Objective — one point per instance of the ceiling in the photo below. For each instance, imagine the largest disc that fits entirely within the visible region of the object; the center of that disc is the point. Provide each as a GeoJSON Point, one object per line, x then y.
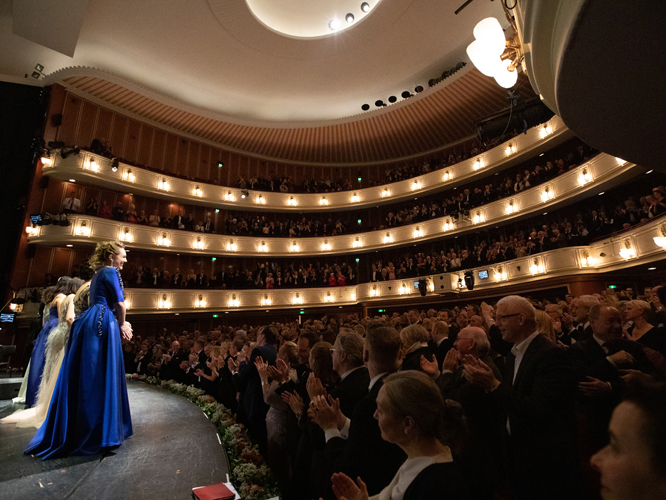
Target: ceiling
{"type": "Point", "coordinates": [212, 69]}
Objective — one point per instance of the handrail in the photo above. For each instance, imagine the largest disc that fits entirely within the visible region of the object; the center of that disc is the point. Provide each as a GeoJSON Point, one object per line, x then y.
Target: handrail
{"type": "Point", "coordinates": [602, 170]}
{"type": "Point", "coordinates": [97, 170]}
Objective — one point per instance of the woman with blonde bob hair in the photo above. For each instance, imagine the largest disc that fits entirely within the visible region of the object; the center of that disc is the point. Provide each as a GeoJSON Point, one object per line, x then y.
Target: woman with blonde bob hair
{"type": "Point", "coordinates": [89, 411]}
{"type": "Point", "coordinates": [413, 415]}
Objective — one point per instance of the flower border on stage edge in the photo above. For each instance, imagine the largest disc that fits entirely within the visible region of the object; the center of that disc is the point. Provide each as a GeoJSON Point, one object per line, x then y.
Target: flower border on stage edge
{"type": "Point", "coordinates": [248, 472]}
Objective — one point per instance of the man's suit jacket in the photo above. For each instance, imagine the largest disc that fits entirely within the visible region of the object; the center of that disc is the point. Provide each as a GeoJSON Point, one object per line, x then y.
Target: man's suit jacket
{"type": "Point", "coordinates": [178, 221]}
{"type": "Point", "coordinates": [255, 408]}
{"type": "Point", "coordinates": [412, 360]}
{"type": "Point", "coordinates": [365, 453]}
{"type": "Point", "coordinates": [209, 227]}
{"type": "Point", "coordinates": [579, 336]}
{"type": "Point", "coordinates": [590, 360]}
{"type": "Point", "coordinates": [539, 407]}
{"type": "Point", "coordinates": [176, 280]}
{"type": "Point", "coordinates": [442, 349]}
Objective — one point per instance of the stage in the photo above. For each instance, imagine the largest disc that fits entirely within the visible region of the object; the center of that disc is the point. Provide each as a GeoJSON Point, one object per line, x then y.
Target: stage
{"type": "Point", "coordinates": [174, 448]}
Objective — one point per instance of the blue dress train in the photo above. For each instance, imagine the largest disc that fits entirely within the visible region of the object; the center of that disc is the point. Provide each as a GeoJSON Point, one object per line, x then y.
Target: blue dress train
{"type": "Point", "coordinates": [89, 409]}
{"type": "Point", "coordinates": [38, 357]}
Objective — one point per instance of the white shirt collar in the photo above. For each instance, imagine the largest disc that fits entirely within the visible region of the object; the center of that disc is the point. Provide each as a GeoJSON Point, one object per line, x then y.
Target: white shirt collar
{"type": "Point", "coordinates": [411, 468]}
{"type": "Point", "coordinates": [519, 349]}
{"type": "Point", "coordinates": [375, 379]}
{"type": "Point", "coordinates": [345, 374]}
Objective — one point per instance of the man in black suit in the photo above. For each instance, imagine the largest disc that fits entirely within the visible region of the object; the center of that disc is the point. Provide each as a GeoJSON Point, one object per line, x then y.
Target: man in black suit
{"type": "Point", "coordinates": [198, 349]}
{"type": "Point", "coordinates": [480, 458]}
{"type": "Point", "coordinates": [179, 220]}
{"type": "Point", "coordinates": [209, 227]}
{"type": "Point", "coordinates": [583, 330]}
{"type": "Point", "coordinates": [255, 407]}
{"type": "Point", "coordinates": [176, 279]}
{"type": "Point", "coordinates": [535, 399]}
{"type": "Point", "coordinates": [364, 453]}
{"type": "Point", "coordinates": [441, 341]}
{"type": "Point", "coordinates": [201, 280]}
{"type": "Point", "coordinates": [597, 363]}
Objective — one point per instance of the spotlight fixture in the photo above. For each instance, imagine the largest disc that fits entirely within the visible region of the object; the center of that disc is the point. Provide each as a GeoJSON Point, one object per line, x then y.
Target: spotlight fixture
{"type": "Point", "coordinates": [334, 24]}
{"type": "Point", "coordinates": [67, 152]}
{"type": "Point", "coordinates": [291, 201]}
{"type": "Point", "coordinates": [114, 165]}
{"type": "Point", "coordinates": [406, 94]}
{"type": "Point", "coordinates": [229, 196]}
{"type": "Point", "coordinates": [365, 107]}
{"type": "Point", "coordinates": [447, 176]}
{"type": "Point", "coordinates": [479, 163]}
{"type": "Point", "coordinates": [365, 6]}
{"type": "Point", "coordinates": [355, 198]}
{"type": "Point", "coordinates": [245, 193]}
{"type": "Point", "coordinates": [392, 99]}
{"type": "Point", "coordinates": [418, 89]}
{"type": "Point", "coordinates": [379, 103]}
{"type": "Point", "coordinates": [349, 18]}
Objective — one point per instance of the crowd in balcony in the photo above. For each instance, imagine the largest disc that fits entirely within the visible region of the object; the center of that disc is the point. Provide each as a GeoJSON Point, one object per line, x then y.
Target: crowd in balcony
{"type": "Point", "coordinates": [573, 226]}
{"type": "Point", "coordinates": [342, 406]}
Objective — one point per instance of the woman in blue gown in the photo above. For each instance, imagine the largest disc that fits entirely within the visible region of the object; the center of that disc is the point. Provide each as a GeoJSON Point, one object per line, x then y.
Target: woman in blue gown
{"type": "Point", "coordinates": [89, 410]}
{"type": "Point", "coordinates": [52, 297]}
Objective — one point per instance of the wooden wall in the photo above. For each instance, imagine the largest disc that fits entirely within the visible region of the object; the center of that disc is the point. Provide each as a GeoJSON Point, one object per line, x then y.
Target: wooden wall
{"type": "Point", "coordinates": [145, 145]}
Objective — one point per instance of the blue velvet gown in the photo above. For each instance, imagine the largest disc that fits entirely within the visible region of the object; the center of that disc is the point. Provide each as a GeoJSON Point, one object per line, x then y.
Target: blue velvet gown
{"type": "Point", "coordinates": [38, 358]}
{"type": "Point", "coordinates": [89, 409]}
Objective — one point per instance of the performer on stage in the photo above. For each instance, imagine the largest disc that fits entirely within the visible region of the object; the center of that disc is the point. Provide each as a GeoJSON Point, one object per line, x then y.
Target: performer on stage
{"type": "Point", "coordinates": [52, 298]}
{"type": "Point", "coordinates": [55, 351]}
{"type": "Point", "coordinates": [90, 410]}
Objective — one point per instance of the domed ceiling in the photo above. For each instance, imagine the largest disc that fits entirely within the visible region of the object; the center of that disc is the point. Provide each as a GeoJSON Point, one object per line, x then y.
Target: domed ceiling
{"type": "Point", "coordinates": [206, 66]}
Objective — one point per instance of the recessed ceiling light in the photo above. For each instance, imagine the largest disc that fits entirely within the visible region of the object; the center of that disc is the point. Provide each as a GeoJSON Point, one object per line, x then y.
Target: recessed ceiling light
{"type": "Point", "coordinates": [70, 246]}
{"type": "Point", "coordinates": [542, 154]}
{"type": "Point", "coordinates": [652, 268]}
{"type": "Point", "coordinates": [349, 18]}
{"type": "Point", "coordinates": [602, 193]}
{"type": "Point", "coordinates": [176, 314]}
{"type": "Point", "coordinates": [72, 180]}
{"type": "Point", "coordinates": [226, 312]}
{"type": "Point", "coordinates": [334, 24]}
{"type": "Point", "coordinates": [648, 172]}
{"type": "Point", "coordinates": [365, 6]}
{"type": "Point", "coordinates": [545, 213]}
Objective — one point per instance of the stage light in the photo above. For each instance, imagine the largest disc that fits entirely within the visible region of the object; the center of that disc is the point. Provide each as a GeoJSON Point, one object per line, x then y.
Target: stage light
{"type": "Point", "coordinates": [628, 251]}
{"type": "Point", "coordinates": [163, 184]}
{"type": "Point", "coordinates": [260, 200]}
{"type": "Point", "coordinates": [349, 18]}
{"type": "Point", "coordinates": [164, 240]}
{"type": "Point", "coordinates": [334, 24]}
{"type": "Point", "coordinates": [365, 6]}
{"type": "Point", "coordinates": [418, 232]}
{"type": "Point", "coordinates": [388, 238]}
{"type": "Point", "coordinates": [198, 243]}
{"type": "Point", "coordinates": [323, 201]}
{"type": "Point", "coordinates": [545, 131]}
{"type": "Point", "coordinates": [231, 246]}
{"type": "Point", "coordinates": [479, 163]}
{"type": "Point", "coordinates": [294, 247]}
{"type": "Point", "coordinates": [386, 193]}
{"type": "Point", "coordinates": [197, 191]}
{"type": "Point", "coordinates": [291, 201]}
{"type": "Point", "coordinates": [229, 196]}
{"type": "Point", "coordinates": [416, 185]}
{"type": "Point", "coordinates": [447, 176]}
{"type": "Point", "coordinates": [200, 301]}
{"type": "Point", "coordinates": [326, 246]}
{"type": "Point", "coordinates": [510, 149]}
{"type": "Point", "coordinates": [357, 243]}
{"type": "Point", "coordinates": [355, 198]}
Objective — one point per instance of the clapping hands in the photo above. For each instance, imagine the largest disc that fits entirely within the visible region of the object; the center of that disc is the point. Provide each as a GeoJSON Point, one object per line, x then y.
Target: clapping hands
{"type": "Point", "coordinates": [262, 368]}
{"type": "Point", "coordinates": [345, 489]}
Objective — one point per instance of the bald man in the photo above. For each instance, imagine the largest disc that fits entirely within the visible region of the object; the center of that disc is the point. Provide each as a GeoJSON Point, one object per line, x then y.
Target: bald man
{"type": "Point", "coordinates": [535, 399]}
{"type": "Point", "coordinates": [483, 450]}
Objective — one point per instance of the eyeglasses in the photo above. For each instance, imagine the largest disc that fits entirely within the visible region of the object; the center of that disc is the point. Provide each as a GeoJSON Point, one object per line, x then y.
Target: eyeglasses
{"type": "Point", "coordinates": [502, 318]}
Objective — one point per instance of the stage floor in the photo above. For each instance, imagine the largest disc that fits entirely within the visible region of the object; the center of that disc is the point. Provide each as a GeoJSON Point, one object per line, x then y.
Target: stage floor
{"type": "Point", "coordinates": [174, 449]}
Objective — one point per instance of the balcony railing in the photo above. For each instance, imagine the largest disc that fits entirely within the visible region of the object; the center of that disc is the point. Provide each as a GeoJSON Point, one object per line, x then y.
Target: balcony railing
{"type": "Point", "coordinates": [636, 246]}
{"type": "Point", "coordinates": [97, 170]}
{"type": "Point", "coordinates": [601, 171]}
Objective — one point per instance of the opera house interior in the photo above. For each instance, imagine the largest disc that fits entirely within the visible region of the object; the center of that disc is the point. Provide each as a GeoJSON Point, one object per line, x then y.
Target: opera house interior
{"type": "Point", "coordinates": [428, 194]}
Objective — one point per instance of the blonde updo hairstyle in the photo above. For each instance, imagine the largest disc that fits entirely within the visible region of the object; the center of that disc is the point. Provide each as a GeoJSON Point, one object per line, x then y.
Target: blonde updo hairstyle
{"type": "Point", "coordinates": [102, 252]}
{"type": "Point", "coordinates": [414, 394]}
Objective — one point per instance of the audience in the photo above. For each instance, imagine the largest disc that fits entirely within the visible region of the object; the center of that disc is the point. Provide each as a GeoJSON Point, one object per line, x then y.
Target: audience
{"type": "Point", "coordinates": [535, 409]}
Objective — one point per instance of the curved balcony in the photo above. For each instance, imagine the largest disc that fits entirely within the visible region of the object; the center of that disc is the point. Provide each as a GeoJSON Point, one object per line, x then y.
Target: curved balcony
{"type": "Point", "coordinates": [600, 173]}
{"type": "Point", "coordinates": [637, 246]}
{"type": "Point", "coordinates": [97, 170]}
